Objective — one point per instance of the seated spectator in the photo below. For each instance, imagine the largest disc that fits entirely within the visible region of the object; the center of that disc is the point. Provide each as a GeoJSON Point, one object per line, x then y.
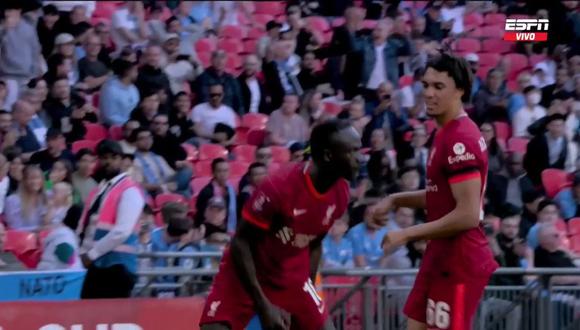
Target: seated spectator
{"type": "Point", "coordinates": [527, 115]}
{"type": "Point", "coordinates": [367, 239]}
{"type": "Point", "coordinates": [118, 95]}
{"type": "Point", "coordinates": [179, 69]}
{"type": "Point", "coordinates": [508, 248]}
{"type": "Point", "coordinates": [129, 27]}
{"type": "Point", "coordinates": [128, 166]}
{"type": "Point", "coordinates": [6, 130]}
{"type": "Point", "coordinates": [4, 181]}
{"type": "Point", "coordinates": [285, 126]}
{"type": "Point", "coordinates": [266, 41]}
{"type": "Point", "coordinates": [24, 210]}
{"type": "Point", "coordinates": [22, 136]}
{"type": "Point", "coordinates": [357, 115]}
{"type": "Point", "coordinates": [180, 121]}
{"type": "Point", "coordinates": [61, 245]}
{"type": "Point", "coordinates": [8, 261]}
{"type": "Point", "coordinates": [82, 181]}
{"type": "Point", "coordinates": [384, 115]}
{"type": "Point", "coordinates": [92, 71]}
{"type": "Point", "coordinates": [158, 176]}
{"type": "Point", "coordinates": [409, 179]}
{"type": "Point", "coordinates": [312, 108]}
{"type": "Point", "coordinates": [58, 104]}
{"type": "Point", "coordinates": [378, 141]}
{"type": "Point", "coordinates": [262, 155]}
{"type": "Point", "coordinates": [517, 100]}
{"type": "Point", "coordinates": [550, 150]}
{"type": "Point", "coordinates": [297, 152]}
{"type": "Point", "coordinates": [495, 148]}
{"type": "Point", "coordinates": [309, 76]}
{"type": "Point", "coordinates": [559, 90]}
{"type": "Point", "coordinates": [61, 171]}
{"type": "Point", "coordinates": [252, 87]}
{"type": "Point", "coordinates": [400, 258]}
{"type": "Point", "coordinates": [542, 75]}
{"type": "Point", "coordinates": [40, 121]}
{"type": "Point", "coordinates": [216, 75]}
{"type": "Point", "coordinates": [490, 103]}
{"type": "Point", "coordinates": [55, 150]}
{"type": "Point", "coordinates": [337, 250]}
{"type": "Point", "coordinates": [127, 143]}
{"type": "Point", "coordinates": [207, 115]}
{"type": "Point", "coordinates": [151, 75]}
{"type": "Point", "coordinates": [416, 151]}
{"type": "Point", "coordinates": [550, 254]}
{"type": "Point", "coordinates": [218, 187]}
{"type": "Point", "coordinates": [14, 157]}
{"type": "Point", "coordinates": [47, 29]}
{"type": "Point", "coordinates": [434, 27]}
{"type": "Point", "coordinates": [281, 73]}
{"type": "Point", "coordinates": [215, 216]}
{"type": "Point", "coordinates": [188, 33]}
{"type": "Point", "coordinates": [82, 112]}
{"type": "Point", "coordinates": [473, 61]}
{"type": "Point", "coordinates": [63, 61]}
{"type": "Point", "coordinates": [548, 213]}
{"type": "Point", "coordinates": [257, 172]}
{"type": "Point", "coordinates": [508, 186]}
{"type": "Point", "coordinates": [148, 108]}
{"type": "Point", "coordinates": [381, 175]}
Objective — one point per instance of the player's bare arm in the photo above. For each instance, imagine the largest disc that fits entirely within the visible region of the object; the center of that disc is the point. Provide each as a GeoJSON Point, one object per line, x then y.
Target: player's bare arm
{"type": "Point", "coordinates": [241, 248]}
{"type": "Point", "coordinates": [412, 199]}
{"type": "Point", "coordinates": [464, 216]}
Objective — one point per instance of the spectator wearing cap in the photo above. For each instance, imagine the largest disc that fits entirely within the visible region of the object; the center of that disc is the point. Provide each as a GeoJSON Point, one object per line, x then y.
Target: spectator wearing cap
{"type": "Point", "coordinates": [550, 150]}
{"type": "Point", "coordinates": [92, 71]}
{"type": "Point", "coordinates": [22, 136]}
{"type": "Point", "coordinates": [490, 103]}
{"type": "Point", "coordinates": [148, 108]}
{"type": "Point", "coordinates": [285, 126]}
{"type": "Point", "coordinates": [528, 114]}
{"type": "Point", "coordinates": [129, 27]}
{"type": "Point", "coordinates": [473, 61]}
{"type": "Point", "coordinates": [272, 35]}
{"type": "Point", "coordinates": [47, 29]}
{"type": "Point", "coordinates": [108, 235]}
{"type": "Point", "coordinates": [217, 232]}
{"type": "Point", "coordinates": [252, 86]}
{"type": "Point", "coordinates": [55, 150]}
{"type": "Point", "coordinates": [180, 69]}
{"type": "Point", "coordinates": [216, 74]}
{"type": "Point", "coordinates": [218, 187]}
{"type": "Point", "coordinates": [25, 208]}
{"type": "Point", "coordinates": [206, 116]}
{"type": "Point", "coordinates": [82, 181]}
{"type": "Point", "coordinates": [119, 96]}
{"type": "Point", "coordinates": [158, 176]}
{"type": "Point", "coordinates": [21, 52]}
{"type": "Point", "coordinates": [257, 172]}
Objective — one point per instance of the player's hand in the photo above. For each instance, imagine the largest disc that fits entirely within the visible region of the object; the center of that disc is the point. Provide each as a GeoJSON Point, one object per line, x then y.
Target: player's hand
{"type": "Point", "coordinates": [393, 240]}
{"type": "Point", "coordinates": [379, 211]}
{"type": "Point", "coordinates": [273, 317]}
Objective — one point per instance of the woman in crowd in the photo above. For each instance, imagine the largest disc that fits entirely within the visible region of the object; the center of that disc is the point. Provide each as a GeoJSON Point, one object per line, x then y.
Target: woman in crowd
{"type": "Point", "coordinates": [26, 208]}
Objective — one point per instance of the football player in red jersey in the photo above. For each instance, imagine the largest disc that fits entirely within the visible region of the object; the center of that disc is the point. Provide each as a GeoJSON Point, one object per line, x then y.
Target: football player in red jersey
{"type": "Point", "coordinates": [271, 264]}
{"type": "Point", "coordinates": [458, 261]}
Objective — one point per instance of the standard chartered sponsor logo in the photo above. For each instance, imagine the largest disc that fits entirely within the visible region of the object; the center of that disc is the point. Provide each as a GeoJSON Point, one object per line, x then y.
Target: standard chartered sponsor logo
{"type": "Point", "coordinates": [460, 158]}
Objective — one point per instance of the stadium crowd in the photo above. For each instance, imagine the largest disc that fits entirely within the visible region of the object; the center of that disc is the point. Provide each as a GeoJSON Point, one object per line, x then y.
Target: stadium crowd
{"type": "Point", "coordinates": [206, 98]}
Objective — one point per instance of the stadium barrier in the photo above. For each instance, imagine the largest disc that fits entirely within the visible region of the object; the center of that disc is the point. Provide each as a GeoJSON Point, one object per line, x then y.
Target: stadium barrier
{"type": "Point", "coordinates": [374, 298]}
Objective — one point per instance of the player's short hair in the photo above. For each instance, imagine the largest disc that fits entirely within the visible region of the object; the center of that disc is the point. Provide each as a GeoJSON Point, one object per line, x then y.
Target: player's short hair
{"type": "Point", "coordinates": [216, 162]}
{"type": "Point", "coordinates": [322, 134]}
{"type": "Point", "coordinates": [457, 68]}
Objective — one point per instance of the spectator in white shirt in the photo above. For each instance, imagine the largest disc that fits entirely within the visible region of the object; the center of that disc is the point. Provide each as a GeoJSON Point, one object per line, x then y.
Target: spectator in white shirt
{"type": "Point", "coordinates": [207, 115]}
{"type": "Point", "coordinates": [531, 112]}
{"type": "Point", "coordinates": [129, 25]}
{"type": "Point", "coordinates": [451, 12]}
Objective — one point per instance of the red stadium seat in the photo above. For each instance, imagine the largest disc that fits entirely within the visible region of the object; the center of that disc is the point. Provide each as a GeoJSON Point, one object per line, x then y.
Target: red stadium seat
{"type": "Point", "coordinates": [280, 154]}
{"type": "Point", "coordinates": [554, 180]}
{"type": "Point", "coordinates": [492, 31]}
{"type": "Point", "coordinates": [535, 59]}
{"type": "Point", "coordinates": [95, 132]}
{"type": "Point", "coordinates": [317, 23]}
{"type": "Point", "coordinates": [496, 46]}
{"type": "Point", "coordinates": [518, 145]}
{"type": "Point", "coordinates": [473, 31]}
{"type": "Point", "coordinates": [468, 45]}
{"type": "Point", "coordinates": [517, 62]}
{"type": "Point", "coordinates": [255, 120]}
{"type": "Point", "coordinates": [238, 168]}
{"type": "Point", "coordinates": [574, 226]}
{"type": "Point", "coordinates": [197, 184]}
{"type": "Point", "coordinates": [245, 153]}
{"type": "Point", "coordinates": [332, 109]}
{"type": "Point", "coordinates": [83, 144]}
{"type": "Point", "coordinates": [494, 19]}
{"type": "Point", "coordinates": [19, 242]}
{"type": "Point", "coordinates": [212, 151]}
{"type": "Point", "coordinates": [205, 45]}
{"type": "Point", "coordinates": [230, 46]}
{"type": "Point", "coordinates": [273, 168]}
{"type": "Point", "coordinates": [473, 19]}
{"type": "Point", "coordinates": [165, 198]}
{"type": "Point", "coordinates": [489, 59]}
{"type": "Point", "coordinates": [260, 20]}
{"type": "Point", "coordinates": [512, 85]}
{"type": "Point", "coordinates": [191, 151]}
{"type": "Point", "coordinates": [232, 32]}
{"type": "Point", "coordinates": [204, 58]}
{"type": "Point", "coordinates": [241, 136]}
{"type": "Point", "coordinates": [104, 9]}
{"type": "Point", "coordinates": [502, 130]}
{"type": "Point", "coordinates": [203, 168]}
{"type": "Point", "coordinates": [273, 8]}
{"type": "Point", "coordinates": [575, 243]}
{"type": "Point", "coordinates": [250, 46]}
{"type": "Point", "coordinates": [116, 132]}
{"type": "Point", "coordinates": [482, 71]}
{"type": "Point", "coordinates": [233, 64]}
{"type": "Point", "coordinates": [257, 136]}
{"type": "Point", "coordinates": [256, 33]}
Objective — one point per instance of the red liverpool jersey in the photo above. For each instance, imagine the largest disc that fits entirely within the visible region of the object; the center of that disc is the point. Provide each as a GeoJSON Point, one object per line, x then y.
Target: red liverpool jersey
{"type": "Point", "coordinates": [293, 213]}
{"type": "Point", "coordinates": [458, 153]}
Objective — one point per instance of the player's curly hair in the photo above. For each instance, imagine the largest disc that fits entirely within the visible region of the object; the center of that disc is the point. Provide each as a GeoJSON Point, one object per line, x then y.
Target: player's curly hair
{"type": "Point", "coordinates": [322, 134]}
{"type": "Point", "coordinates": [457, 68]}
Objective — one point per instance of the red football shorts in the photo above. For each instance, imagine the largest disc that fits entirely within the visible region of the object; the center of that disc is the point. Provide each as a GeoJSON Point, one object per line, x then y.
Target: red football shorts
{"type": "Point", "coordinates": [443, 302]}
{"type": "Point", "coordinates": [229, 303]}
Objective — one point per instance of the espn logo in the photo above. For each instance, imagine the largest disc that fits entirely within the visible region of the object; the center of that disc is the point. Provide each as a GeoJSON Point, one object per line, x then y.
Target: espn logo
{"type": "Point", "coordinates": [520, 29]}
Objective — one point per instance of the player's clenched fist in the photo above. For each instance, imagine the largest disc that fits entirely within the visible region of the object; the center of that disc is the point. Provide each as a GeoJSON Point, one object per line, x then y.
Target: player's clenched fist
{"type": "Point", "coordinates": [380, 211]}
{"type": "Point", "coordinates": [393, 240]}
{"type": "Point", "coordinates": [273, 317]}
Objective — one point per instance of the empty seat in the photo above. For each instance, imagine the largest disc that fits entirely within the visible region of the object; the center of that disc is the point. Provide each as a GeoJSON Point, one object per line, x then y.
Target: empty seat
{"type": "Point", "coordinates": [502, 130]}
{"type": "Point", "coordinates": [257, 136]}
{"type": "Point", "coordinates": [317, 23]}
{"type": "Point", "coordinates": [473, 19]}
{"type": "Point", "coordinates": [205, 45]}
{"type": "Point", "coordinates": [197, 184]}
{"type": "Point", "coordinates": [116, 132]}
{"type": "Point", "coordinates": [468, 45]}
{"type": "Point", "coordinates": [255, 33]}
{"type": "Point", "coordinates": [489, 59]}
{"type": "Point", "coordinates": [517, 62]}
{"type": "Point", "coordinates": [273, 8]}
{"type": "Point", "coordinates": [492, 31]}
{"type": "Point", "coordinates": [232, 32]}
{"type": "Point", "coordinates": [191, 151]}
{"type": "Point", "coordinates": [203, 168]}
{"type": "Point", "coordinates": [238, 168]}
{"type": "Point", "coordinates": [494, 19]}
{"type": "Point", "coordinates": [255, 120]}
{"type": "Point", "coordinates": [212, 151]}
{"type": "Point", "coordinates": [332, 109]}
{"type": "Point", "coordinates": [245, 153]}
{"type": "Point", "coordinates": [280, 154]}
{"type": "Point", "coordinates": [496, 46]}
{"type": "Point", "coordinates": [574, 226]}
{"type": "Point", "coordinates": [554, 180]}
{"type": "Point", "coordinates": [518, 145]}
{"type": "Point", "coordinates": [19, 241]}
{"type": "Point", "coordinates": [241, 136]}
{"type": "Point", "coordinates": [95, 132]}
{"type": "Point", "coordinates": [231, 46]}
{"type": "Point", "coordinates": [83, 144]}
{"type": "Point", "coordinates": [165, 198]}
{"type": "Point", "coordinates": [262, 19]}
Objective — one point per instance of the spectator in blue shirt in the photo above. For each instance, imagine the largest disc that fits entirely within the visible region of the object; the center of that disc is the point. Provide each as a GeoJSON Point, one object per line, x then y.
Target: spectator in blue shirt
{"type": "Point", "coordinates": [366, 239]}
{"type": "Point", "coordinates": [337, 250]}
{"type": "Point", "coordinates": [119, 96]}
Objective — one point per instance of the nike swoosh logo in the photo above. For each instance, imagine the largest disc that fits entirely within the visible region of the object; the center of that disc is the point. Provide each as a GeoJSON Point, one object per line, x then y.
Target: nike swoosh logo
{"type": "Point", "coordinates": [298, 212]}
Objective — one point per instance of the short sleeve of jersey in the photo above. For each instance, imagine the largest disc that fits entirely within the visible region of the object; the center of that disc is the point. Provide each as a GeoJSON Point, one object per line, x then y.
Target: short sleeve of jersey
{"type": "Point", "coordinates": [262, 205]}
{"type": "Point", "coordinates": [463, 157]}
